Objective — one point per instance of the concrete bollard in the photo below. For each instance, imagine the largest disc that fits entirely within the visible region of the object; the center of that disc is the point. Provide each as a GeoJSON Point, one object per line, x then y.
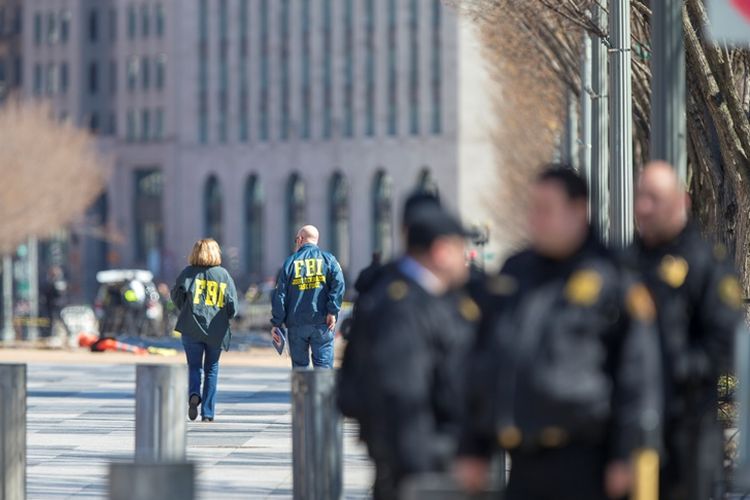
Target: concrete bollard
{"type": "Point", "coordinates": [441, 487]}
{"type": "Point", "coordinates": [317, 436]}
{"type": "Point", "coordinates": [12, 432]}
{"type": "Point", "coordinates": [148, 481]}
{"type": "Point", "coordinates": [160, 413]}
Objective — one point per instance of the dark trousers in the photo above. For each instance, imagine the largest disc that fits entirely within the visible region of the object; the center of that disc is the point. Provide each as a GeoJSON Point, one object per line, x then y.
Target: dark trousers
{"type": "Point", "coordinates": [692, 469]}
{"type": "Point", "coordinates": [575, 472]}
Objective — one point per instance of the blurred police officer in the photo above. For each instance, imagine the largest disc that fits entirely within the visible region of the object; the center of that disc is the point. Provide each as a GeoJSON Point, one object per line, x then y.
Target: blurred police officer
{"type": "Point", "coordinates": [415, 333]}
{"type": "Point", "coordinates": [565, 379]}
{"type": "Point", "coordinates": [307, 300]}
{"type": "Point", "coordinates": [698, 303]}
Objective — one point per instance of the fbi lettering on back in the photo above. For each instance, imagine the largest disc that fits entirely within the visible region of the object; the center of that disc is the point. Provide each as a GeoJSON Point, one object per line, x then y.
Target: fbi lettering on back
{"type": "Point", "coordinates": [308, 274]}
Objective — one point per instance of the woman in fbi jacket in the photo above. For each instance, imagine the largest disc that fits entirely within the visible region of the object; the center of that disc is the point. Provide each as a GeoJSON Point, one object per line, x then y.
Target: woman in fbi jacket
{"type": "Point", "coordinates": [206, 297]}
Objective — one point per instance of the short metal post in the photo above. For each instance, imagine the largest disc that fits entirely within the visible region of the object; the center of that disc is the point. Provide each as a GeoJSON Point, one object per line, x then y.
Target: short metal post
{"type": "Point", "coordinates": [160, 413]}
{"type": "Point", "coordinates": [12, 432]}
{"type": "Point", "coordinates": [146, 481]}
{"type": "Point", "coordinates": [317, 437]}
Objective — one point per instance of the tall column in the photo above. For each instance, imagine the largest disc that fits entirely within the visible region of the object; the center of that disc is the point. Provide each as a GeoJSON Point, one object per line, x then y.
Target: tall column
{"type": "Point", "coordinates": [9, 334]}
{"type": "Point", "coordinates": [32, 330]}
{"type": "Point", "coordinates": [584, 153]}
{"type": "Point", "coordinates": [668, 122]}
{"type": "Point", "coordinates": [621, 231]}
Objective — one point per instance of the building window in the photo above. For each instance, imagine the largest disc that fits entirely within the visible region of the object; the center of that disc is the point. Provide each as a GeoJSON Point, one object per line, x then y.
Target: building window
{"type": "Point", "coordinates": [145, 125]}
{"type": "Point", "coordinates": [296, 201]}
{"type": "Point", "coordinates": [145, 73]}
{"type": "Point", "coordinates": [158, 124]}
{"type": "Point", "coordinates": [132, 21]}
{"type": "Point", "coordinates": [18, 70]}
{"type": "Point", "coordinates": [51, 79]}
{"type": "Point", "coordinates": [254, 228]}
{"type": "Point", "coordinates": [285, 120]}
{"type": "Point", "coordinates": [145, 21]}
{"type": "Point", "coordinates": [113, 77]}
{"type": "Point", "coordinates": [382, 215]}
{"type": "Point", "coordinates": [93, 25]}
{"type": "Point", "coordinates": [203, 73]}
{"type": "Point", "coordinates": [112, 127]}
{"type": "Point", "coordinates": [2, 76]}
{"type": "Point", "coordinates": [159, 14]}
{"type": "Point", "coordinates": [349, 68]}
{"type": "Point", "coordinates": [414, 67]}
{"type": "Point", "coordinates": [93, 78]}
{"type": "Point", "coordinates": [2, 20]}
{"type": "Point", "coordinates": [94, 122]}
{"type": "Point", "coordinates": [131, 126]}
{"type": "Point", "coordinates": [148, 219]}
{"type": "Point", "coordinates": [38, 80]}
{"type": "Point", "coordinates": [327, 70]}
{"type": "Point", "coordinates": [436, 70]}
{"type": "Point", "coordinates": [133, 69]}
{"type": "Point", "coordinates": [223, 69]}
{"type": "Point", "coordinates": [52, 34]}
{"type": "Point", "coordinates": [112, 25]}
{"type": "Point", "coordinates": [370, 68]}
{"type": "Point", "coordinates": [64, 78]}
{"type": "Point", "coordinates": [392, 68]}
{"type": "Point", "coordinates": [65, 18]}
{"type": "Point", "coordinates": [18, 21]}
{"type": "Point", "coordinates": [306, 80]}
{"type": "Point", "coordinates": [160, 65]}
{"type": "Point", "coordinates": [263, 117]}
{"type": "Point", "coordinates": [37, 28]}
{"type": "Point", "coordinates": [244, 105]}
{"type": "Point", "coordinates": [338, 212]}
{"type": "Point", "coordinates": [212, 220]}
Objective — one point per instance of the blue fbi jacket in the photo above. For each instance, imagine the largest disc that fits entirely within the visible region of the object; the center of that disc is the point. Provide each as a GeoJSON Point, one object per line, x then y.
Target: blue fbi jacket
{"type": "Point", "coordinates": [309, 287]}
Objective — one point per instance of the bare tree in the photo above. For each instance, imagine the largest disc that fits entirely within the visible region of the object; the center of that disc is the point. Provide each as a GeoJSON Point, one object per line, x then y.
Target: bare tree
{"type": "Point", "coordinates": [523, 35]}
{"type": "Point", "coordinates": [50, 173]}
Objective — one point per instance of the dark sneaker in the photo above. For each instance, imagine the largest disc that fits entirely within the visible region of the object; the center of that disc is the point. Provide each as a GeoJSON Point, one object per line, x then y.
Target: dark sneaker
{"type": "Point", "coordinates": [208, 419]}
{"type": "Point", "coordinates": [195, 400]}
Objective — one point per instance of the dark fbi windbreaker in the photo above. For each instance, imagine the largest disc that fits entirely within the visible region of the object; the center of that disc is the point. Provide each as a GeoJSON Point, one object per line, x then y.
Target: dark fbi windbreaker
{"type": "Point", "coordinates": [207, 299]}
{"type": "Point", "coordinates": [570, 356]}
{"type": "Point", "coordinates": [402, 376]}
{"type": "Point", "coordinates": [309, 287]}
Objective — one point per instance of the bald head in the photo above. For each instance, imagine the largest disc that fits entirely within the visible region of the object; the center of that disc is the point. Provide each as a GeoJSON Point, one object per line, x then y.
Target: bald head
{"type": "Point", "coordinates": [661, 204]}
{"type": "Point", "coordinates": [307, 234]}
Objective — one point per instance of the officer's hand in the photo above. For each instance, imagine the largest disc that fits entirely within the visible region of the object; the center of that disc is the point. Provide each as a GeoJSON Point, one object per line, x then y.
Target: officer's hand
{"type": "Point", "coordinates": [331, 322]}
{"type": "Point", "coordinates": [276, 337]}
{"type": "Point", "coordinates": [472, 473]}
{"type": "Point", "coordinates": [618, 479]}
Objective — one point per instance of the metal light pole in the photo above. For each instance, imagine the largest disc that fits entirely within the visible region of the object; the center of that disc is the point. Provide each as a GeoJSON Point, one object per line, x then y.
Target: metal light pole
{"type": "Point", "coordinates": [668, 122]}
{"type": "Point", "coordinates": [584, 153]}
{"type": "Point", "coordinates": [600, 127]}
{"type": "Point", "coordinates": [621, 231]}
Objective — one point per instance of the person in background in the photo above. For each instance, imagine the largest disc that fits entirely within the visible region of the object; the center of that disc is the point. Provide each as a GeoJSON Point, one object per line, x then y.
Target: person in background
{"type": "Point", "coordinates": [567, 376]}
{"type": "Point", "coordinates": [54, 297]}
{"type": "Point", "coordinates": [206, 296]}
{"type": "Point", "coordinates": [699, 307]}
{"type": "Point", "coordinates": [307, 300]}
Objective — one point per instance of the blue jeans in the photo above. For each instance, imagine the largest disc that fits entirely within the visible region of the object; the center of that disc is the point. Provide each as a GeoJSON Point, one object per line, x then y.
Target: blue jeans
{"type": "Point", "coordinates": [202, 358]}
{"type": "Point", "coordinates": [315, 339]}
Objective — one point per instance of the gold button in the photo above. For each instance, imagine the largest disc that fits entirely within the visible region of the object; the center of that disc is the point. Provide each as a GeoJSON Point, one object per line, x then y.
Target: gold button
{"type": "Point", "coordinates": [553, 437]}
{"type": "Point", "coordinates": [509, 437]}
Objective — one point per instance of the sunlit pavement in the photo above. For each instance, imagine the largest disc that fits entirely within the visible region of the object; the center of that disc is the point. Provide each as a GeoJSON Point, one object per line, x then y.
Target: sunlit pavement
{"type": "Point", "coordinates": [81, 417]}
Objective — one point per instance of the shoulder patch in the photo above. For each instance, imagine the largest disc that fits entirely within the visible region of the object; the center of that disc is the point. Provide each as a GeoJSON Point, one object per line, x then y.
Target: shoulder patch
{"type": "Point", "coordinates": [639, 303]}
{"type": "Point", "coordinates": [730, 292]}
{"type": "Point", "coordinates": [673, 270]}
{"type": "Point", "coordinates": [398, 290]}
{"type": "Point", "coordinates": [502, 285]}
{"type": "Point", "coordinates": [469, 309]}
{"type": "Point", "coordinates": [583, 287]}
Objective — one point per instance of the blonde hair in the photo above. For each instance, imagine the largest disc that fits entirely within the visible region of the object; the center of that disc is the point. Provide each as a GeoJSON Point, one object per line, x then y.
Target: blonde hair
{"type": "Point", "coordinates": [206, 253]}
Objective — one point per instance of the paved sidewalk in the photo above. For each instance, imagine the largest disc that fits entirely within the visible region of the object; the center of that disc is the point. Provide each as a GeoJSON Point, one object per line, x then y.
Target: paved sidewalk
{"type": "Point", "coordinates": [81, 417]}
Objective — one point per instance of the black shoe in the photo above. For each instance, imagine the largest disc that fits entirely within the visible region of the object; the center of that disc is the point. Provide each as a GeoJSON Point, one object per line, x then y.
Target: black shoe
{"type": "Point", "coordinates": [208, 419]}
{"type": "Point", "coordinates": [195, 400]}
